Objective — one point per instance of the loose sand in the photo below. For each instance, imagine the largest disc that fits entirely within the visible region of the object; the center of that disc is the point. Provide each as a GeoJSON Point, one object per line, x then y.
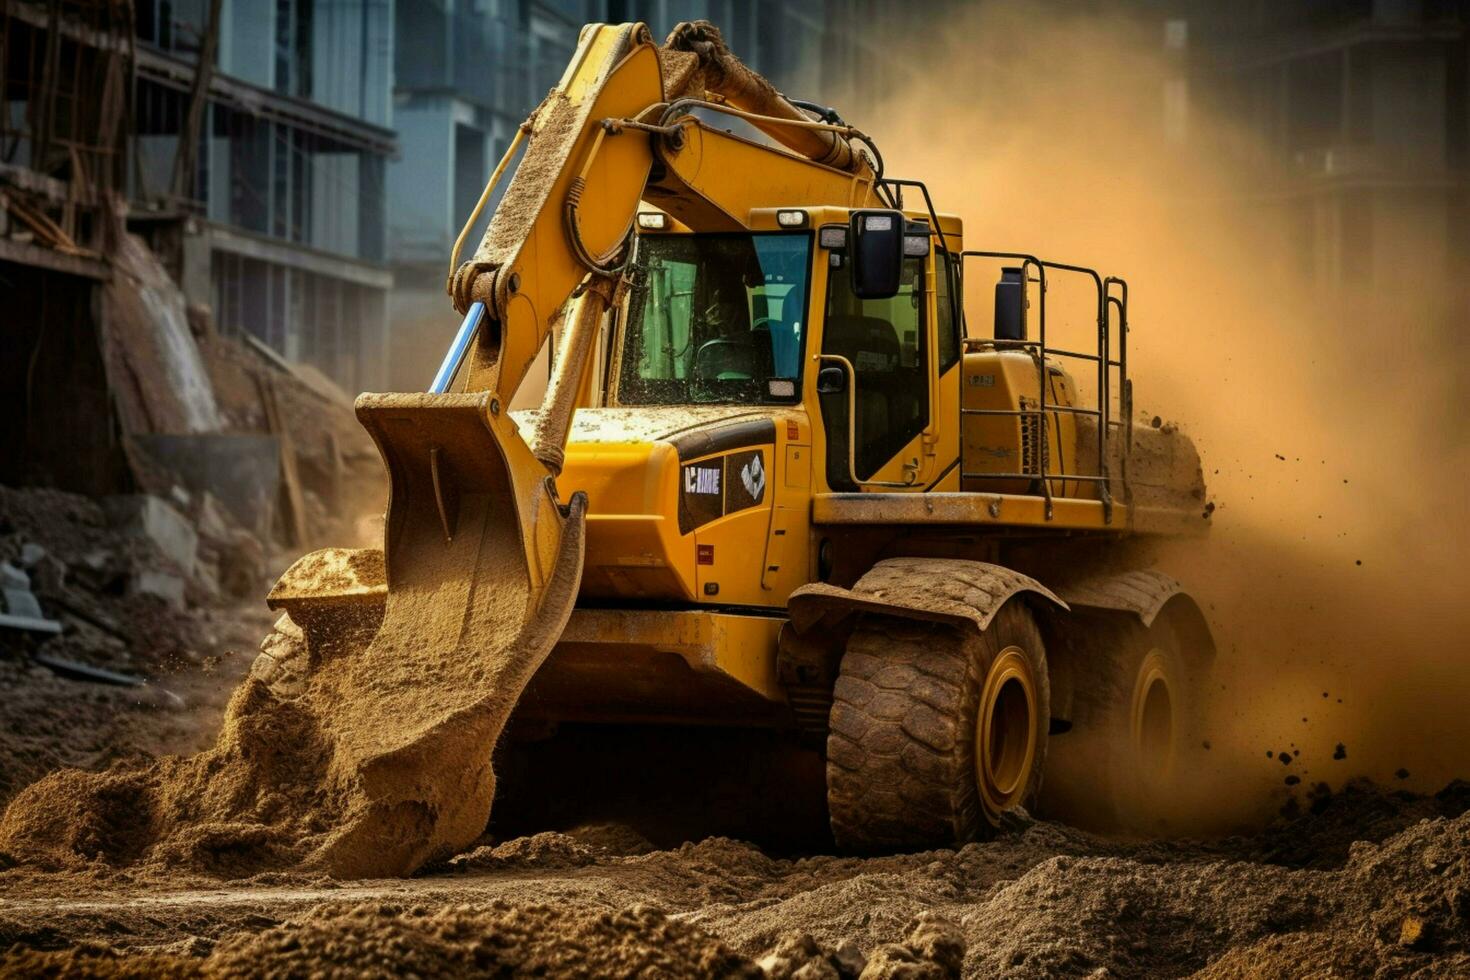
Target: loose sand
{"type": "Point", "coordinates": [1371, 882]}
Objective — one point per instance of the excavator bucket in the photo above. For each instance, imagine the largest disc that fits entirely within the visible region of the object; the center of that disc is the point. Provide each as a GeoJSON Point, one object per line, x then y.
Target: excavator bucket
{"type": "Point", "coordinates": [483, 561]}
{"type": "Point", "coordinates": [483, 567]}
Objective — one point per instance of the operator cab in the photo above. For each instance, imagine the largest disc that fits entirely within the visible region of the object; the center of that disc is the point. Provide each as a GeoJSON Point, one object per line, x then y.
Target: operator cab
{"type": "Point", "coordinates": [809, 309]}
{"type": "Point", "coordinates": [714, 319]}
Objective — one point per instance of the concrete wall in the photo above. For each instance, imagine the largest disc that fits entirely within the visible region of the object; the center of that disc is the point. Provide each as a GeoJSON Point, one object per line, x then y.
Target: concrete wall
{"type": "Point", "coordinates": [352, 57]}
{"type": "Point", "coordinates": [335, 202]}
{"type": "Point", "coordinates": [247, 41]}
{"type": "Point", "coordinates": [421, 218]}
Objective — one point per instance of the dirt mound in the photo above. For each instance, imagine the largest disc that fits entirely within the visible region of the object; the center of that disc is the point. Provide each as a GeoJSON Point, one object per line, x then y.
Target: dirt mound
{"type": "Point", "coordinates": [251, 803]}
{"type": "Point", "coordinates": [390, 941]}
{"type": "Point", "coordinates": [545, 851]}
{"type": "Point", "coordinates": [128, 676]}
{"type": "Point", "coordinates": [93, 960]}
{"type": "Point", "coordinates": [1372, 877]}
{"type": "Point", "coordinates": [612, 838]}
{"type": "Point", "coordinates": [933, 950]}
{"type": "Point", "coordinates": [1398, 906]}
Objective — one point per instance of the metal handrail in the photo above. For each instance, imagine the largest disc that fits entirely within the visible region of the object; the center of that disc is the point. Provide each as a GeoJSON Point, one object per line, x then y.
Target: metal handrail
{"type": "Point", "coordinates": [1125, 384]}
{"type": "Point", "coordinates": [1108, 303]}
{"type": "Point", "coordinates": [1078, 477]}
{"type": "Point", "coordinates": [1030, 412]}
{"type": "Point", "coordinates": [852, 426]}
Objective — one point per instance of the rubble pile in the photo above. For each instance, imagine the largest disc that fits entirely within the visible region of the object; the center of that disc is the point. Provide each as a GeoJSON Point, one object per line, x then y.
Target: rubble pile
{"type": "Point", "coordinates": [115, 615]}
{"type": "Point", "coordinates": [332, 489]}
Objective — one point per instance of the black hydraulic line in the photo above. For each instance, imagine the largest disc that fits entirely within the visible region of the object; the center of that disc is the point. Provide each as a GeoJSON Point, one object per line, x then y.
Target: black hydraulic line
{"type": "Point", "coordinates": [823, 112]}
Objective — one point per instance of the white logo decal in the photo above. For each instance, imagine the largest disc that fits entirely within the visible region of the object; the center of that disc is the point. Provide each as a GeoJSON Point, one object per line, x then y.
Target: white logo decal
{"type": "Point", "coordinates": [701, 479]}
{"type": "Point", "coordinates": [753, 475]}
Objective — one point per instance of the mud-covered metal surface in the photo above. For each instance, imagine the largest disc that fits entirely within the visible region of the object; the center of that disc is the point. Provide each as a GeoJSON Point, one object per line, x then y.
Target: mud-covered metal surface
{"type": "Point", "coordinates": [644, 424]}
{"type": "Point", "coordinates": [1142, 592]}
{"type": "Point", "coordinates": [942, 589]}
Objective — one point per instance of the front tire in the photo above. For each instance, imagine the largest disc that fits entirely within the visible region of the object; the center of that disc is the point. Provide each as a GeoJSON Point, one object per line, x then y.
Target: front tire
{"type": "Point", "coordinates": [936, 730]}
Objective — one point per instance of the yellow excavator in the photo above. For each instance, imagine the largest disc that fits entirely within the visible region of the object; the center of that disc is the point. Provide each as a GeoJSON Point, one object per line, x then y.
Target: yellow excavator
{"type": "Point", "coordinates": [778, 478]}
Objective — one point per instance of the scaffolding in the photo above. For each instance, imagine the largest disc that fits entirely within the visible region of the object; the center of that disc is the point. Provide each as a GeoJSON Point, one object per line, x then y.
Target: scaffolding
{"type": "Point", "coordinates": [69, 70]}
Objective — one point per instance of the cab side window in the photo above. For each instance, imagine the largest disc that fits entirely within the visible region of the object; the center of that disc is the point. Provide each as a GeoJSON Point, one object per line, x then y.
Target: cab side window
{"type": "Point", "coordinates": [884, 339]}
{"type": "Point", "coordinates": [944, 308]}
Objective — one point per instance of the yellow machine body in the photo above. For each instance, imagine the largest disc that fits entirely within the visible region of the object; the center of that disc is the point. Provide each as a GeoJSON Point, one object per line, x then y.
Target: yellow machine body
{"type": "Point", "coordinates": [664, 536]}
{"type": "Point", "coordinates": [999, 379]}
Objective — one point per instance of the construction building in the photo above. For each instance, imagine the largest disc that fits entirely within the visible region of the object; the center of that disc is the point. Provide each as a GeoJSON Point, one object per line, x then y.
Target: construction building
{"type": "Point", "coordinates": [192, 213]}
{"type": "Point", "coordinates": [283, 231]}
{"type": "Point", "coordinates": [1361, 110]}
{"type": "Point", "coordinates": [258, 178]}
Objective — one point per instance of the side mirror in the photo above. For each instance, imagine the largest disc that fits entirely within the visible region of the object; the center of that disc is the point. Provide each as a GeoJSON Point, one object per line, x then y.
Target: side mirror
{"type": "Point", "coordinates": [875, 242]}
{"type": "Point", "coordinates": [831, 381]}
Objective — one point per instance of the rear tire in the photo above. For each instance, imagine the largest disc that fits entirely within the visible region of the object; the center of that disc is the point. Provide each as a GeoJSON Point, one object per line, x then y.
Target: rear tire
{"type": "Point", "coordinates": [1135, 718]}
{"type": "Point", "coordinates": [936, 730]}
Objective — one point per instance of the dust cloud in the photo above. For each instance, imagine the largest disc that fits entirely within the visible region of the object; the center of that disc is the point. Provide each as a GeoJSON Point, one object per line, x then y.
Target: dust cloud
{"type": "Point", "coordinates": [1325, 411]}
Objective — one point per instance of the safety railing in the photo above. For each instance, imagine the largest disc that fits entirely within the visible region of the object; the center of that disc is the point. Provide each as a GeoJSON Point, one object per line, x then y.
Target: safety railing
{"type": "Point", "coordinates": [1111, 299]}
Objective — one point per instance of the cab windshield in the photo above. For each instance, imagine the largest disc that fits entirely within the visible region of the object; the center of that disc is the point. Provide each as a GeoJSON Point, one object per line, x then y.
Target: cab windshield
{"type": "Point", "coordinates": [715, 318]}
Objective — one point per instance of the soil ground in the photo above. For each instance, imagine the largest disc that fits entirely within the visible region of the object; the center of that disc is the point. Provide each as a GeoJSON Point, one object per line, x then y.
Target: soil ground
{"type": "Point", "coordinates": [1367, 882]}
{"type": "Point", "coordinates": [1364, 881]}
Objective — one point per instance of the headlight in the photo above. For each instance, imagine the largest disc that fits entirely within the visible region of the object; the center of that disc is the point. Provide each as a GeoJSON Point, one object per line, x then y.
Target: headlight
{"type": "Point", "coordinates": [832, 236]}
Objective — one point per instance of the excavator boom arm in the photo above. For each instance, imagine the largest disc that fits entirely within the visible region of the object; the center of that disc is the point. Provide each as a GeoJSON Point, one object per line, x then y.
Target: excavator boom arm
{"type": "Point", "coordinates": [623, 106]}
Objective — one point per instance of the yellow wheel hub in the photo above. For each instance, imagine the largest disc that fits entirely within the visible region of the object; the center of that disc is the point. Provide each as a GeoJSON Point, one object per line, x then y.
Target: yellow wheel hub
{"type": "Point", "coordinates": [1152, 717]}
{"type": "Point", "coordinates": [1005, 732]}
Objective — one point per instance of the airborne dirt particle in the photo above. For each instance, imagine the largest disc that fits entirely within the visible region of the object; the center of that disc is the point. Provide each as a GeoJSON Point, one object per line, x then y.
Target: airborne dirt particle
{"type": "Point", "coordinates": [1339, 752]}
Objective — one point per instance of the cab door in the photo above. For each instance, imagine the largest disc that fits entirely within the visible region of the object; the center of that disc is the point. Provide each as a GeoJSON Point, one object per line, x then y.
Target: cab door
{"type": "Point", "coordinates": [889, 343]}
